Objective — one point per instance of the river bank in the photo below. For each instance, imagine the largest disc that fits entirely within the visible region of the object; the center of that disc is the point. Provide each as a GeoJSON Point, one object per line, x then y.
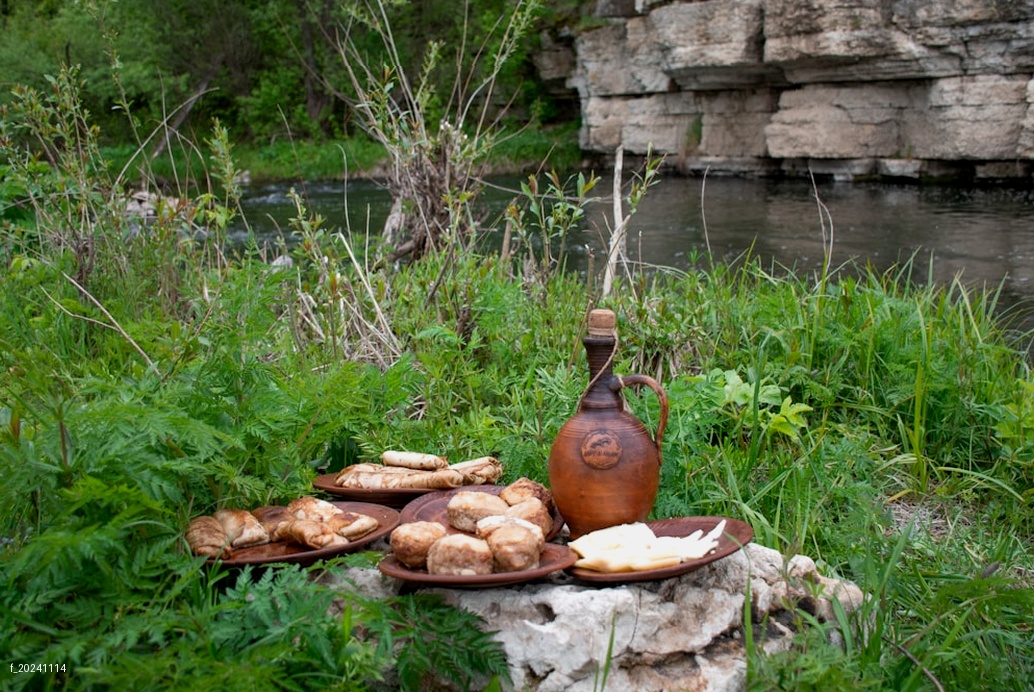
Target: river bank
{"type": "Point", "coordinates": [521, 149]}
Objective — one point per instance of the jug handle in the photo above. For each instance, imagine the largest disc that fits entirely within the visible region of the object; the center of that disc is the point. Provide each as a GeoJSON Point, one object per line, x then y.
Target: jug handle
{"type": "Point", "coordinates": [662, 397]}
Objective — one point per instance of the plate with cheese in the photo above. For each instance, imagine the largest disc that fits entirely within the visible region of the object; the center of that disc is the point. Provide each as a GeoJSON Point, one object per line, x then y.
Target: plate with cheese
{"type": "Point", "coordinates": [657, 549]}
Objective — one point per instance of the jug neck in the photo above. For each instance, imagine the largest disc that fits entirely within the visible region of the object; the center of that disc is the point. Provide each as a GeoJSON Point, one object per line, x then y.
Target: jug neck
{"type": "Point", "coordinates": [604, 388]}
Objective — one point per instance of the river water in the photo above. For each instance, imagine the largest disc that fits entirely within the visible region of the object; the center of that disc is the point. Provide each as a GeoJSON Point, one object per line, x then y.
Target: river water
{"type": "Point", "coordinates": [984, 235]}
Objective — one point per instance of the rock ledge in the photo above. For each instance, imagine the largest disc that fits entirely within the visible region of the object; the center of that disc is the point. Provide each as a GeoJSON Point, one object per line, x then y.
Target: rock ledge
{"type": "Point", "coordinates": [682, 633]}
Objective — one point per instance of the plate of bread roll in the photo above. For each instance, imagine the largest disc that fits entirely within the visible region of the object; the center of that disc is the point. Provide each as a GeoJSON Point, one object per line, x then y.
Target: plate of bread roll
{"type": "Point", "coordinates": [478, 537]}
{"type": "Point", "coordinates": [484, 536]}
{"type": "Point", "coordinates": [304, 531]}
{"type": "Point", "coordinates": [402, 476]}
{"type": "Point", "coordinates": [459, 509]}
{"type": "Point", "coordinates": [468, 563]}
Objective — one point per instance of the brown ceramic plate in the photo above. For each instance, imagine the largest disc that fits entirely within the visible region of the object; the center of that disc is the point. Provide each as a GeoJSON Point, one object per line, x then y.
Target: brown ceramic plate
{"type": "Point", "coordinates": [295, 554]}
{"type": "Point", "coordinates": [554, 558]}
{"type": "Point", "coordinates": [736, 535]}
{"type": "Point", "coordinates": [434, 507]}
{"type": "Point", "coordinates": [390, 497]}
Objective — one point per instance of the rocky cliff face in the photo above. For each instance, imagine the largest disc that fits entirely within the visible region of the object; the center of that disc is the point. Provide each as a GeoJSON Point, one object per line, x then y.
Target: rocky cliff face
{"type": "Point", "coordinates": [846, 88]}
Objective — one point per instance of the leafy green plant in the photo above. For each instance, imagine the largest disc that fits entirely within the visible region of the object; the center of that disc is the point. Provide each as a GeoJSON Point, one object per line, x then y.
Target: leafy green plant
{"type": "Point", "coordinates": [434, 146]}
{"type": "Point", "coordinates": [1015, 430]}
{"type": "Point", "coordinates": [432, 641]}
{"type": "Point", "coordinates": [537, 226]}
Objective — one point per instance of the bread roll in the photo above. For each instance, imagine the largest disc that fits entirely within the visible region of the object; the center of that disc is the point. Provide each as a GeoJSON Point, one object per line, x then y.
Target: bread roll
{"type": "Point", "coordinates": [515, 548]}
{"type": "Point", "coordinates": [531, 509]}
{"type": "Point", "coordinates": [523, 488]}
{"type": "Point", "coordinates": [486, 526]}
{"type": "Point", "coordinates": [411, 542]}
{"type": "Point", "coordinates": [466, 507]}
{"type": "Point", "coordinates": [459, 555]}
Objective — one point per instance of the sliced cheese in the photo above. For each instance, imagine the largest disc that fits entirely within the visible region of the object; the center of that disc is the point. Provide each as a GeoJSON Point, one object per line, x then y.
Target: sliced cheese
{"type": "Point", "coordinates": [634, 548]}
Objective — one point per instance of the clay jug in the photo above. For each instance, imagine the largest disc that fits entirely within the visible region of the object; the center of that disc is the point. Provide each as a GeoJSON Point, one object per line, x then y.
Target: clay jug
{"type": "Point", "coordinates": [604, 466]}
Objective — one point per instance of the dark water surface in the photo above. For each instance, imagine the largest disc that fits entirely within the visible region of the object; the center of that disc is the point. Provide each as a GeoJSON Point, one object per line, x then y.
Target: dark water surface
{"type": "Point", "coordinates": [983, 235]}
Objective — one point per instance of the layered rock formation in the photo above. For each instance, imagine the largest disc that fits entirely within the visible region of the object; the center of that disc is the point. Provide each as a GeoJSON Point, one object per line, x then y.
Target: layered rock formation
{"type": "Point", "coordinates": [682, 633]}
{"type": "Point", "coordinates": [851, 88]}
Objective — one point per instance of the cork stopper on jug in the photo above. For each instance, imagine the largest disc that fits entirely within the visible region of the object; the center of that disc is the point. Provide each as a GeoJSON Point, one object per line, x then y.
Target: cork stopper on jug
{"type": "Point", "coordinates": [602, 323]}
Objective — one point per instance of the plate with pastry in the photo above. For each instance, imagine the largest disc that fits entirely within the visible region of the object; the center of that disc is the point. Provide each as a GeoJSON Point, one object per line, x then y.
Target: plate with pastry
{"type": "Point", "coordinates": [465, 562]}
{"type": "Point", "coordinates": [459, 509]}
{"type": "Point", "coordinates": [657, 549]}
{"type": "Point", "coordinates": [304, 531]}
{"type": "Point", "coordinates": [403, 476]}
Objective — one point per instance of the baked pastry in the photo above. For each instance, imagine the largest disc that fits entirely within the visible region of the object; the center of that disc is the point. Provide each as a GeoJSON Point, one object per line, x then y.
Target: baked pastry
{"type": "Point", "coordinates": [241, 527]}
{"type": "Point", "coordinates": [311, 534]}
{"type": "Point", "coordinates": [486, 526]}
{"type": "Point", "coordinates": [312, 508]}
{"type": "Point", "coordinates": [206, 537]}
{"type": "Point", "coordinates": [532, 509]}
{"type": "Point", "coordinates": [515, 547]}
{"type": "Point", "coordinates": [352, 525]}
{"type": "Point", "coordinates": [459, 555]}
{"type": "Point", "coordinates": [466, 507]}
{"type": "Point", "coordinates": [523, 488]}
{"type": "Point", "coordinates": [270, 517]}
{"type": "Point", "coordinates": [412, 541]}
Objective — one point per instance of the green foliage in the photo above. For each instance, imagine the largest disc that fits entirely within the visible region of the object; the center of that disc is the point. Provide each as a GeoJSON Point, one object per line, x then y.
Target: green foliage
{"type": "Point", "coordinates": [542, 220]}
{"type": "Point", "coordinates": [434, 641]}
{"type": "Point", "coordinates": [269, 71]}
{"type": "Point", "coordinates": [435, 146]}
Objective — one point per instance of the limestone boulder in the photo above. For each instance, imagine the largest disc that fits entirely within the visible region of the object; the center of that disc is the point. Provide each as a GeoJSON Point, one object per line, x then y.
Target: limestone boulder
{"type": "Point", "coordinates": [977, 117]}
{"type": "Point", "coordinates": [1025, 148]}
{"type": "Point", "coordinates": [681, 633]}
{"type": "Point", "coordinates": [838, 121]}
{"type": "Point", "coordinates": [681, 124]}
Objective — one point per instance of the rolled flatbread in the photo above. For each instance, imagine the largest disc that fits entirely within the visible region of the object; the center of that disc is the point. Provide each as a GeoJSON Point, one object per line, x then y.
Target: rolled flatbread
{"type": "Point", "coordinates": [270, 517]}
{"type": "Point", "coordinates": [480, 471]}
{"type": "Point", "coordinates": [206, 537]}
{"type": "Point", "coordinates": [352, 525]}
{"type": "Point", "coordinates": [312, 508]}
{"type": "Point", "coordinates": [242, 528]}
{"type": "Point", "coordinates": [372, 476]}
{"type": "Point", "coordinates": [311, 534]}
{"type": "Point", "coordinates": [413, 460]}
